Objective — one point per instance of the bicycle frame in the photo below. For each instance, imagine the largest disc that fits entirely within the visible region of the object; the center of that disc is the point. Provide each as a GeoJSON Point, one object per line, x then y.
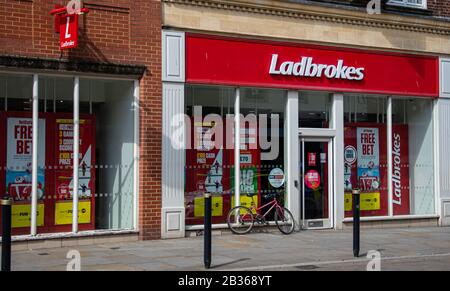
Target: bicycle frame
{"type": "Point", "coordinates": [273, 203]}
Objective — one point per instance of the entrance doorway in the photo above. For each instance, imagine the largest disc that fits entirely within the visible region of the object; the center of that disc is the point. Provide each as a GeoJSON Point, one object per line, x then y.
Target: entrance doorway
{"type": "Point", "coordinates": [316, 178]}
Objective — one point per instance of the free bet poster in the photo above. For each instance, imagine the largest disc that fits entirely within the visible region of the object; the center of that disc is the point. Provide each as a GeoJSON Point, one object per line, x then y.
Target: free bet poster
{"type": "Point", "coordinates": [365, 159]}
{"type": "Point", "coordinates": [19, 157]}
{"type": "Point", "coordinates": [18, 178]}
{"type": "Point", "coordinates": [366, 167]}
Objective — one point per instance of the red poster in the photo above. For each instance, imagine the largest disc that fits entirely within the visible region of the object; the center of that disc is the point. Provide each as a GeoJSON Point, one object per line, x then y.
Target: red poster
{"type": "Point", "coordinates": [68, 31]}
{"type": "Point", "coordinates": [312, 179]}
{"type": "Point", "coordinates": [55, 164]}
{"type": "Point", "coordinates": [359, 168]}
{"type": "Point", "coordinates": [63, 153]}
{"type": "Point", "coordinates": [207, 171]}
{"type": "Point", "coordinates": [16, 162]}
{"type": "Point", "coordinates": [400, 170]}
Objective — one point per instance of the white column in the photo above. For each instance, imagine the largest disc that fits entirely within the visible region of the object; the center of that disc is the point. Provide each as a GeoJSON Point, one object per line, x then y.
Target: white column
{"type": "Point", "coordinates": [291, 156]}
{"type": "Point", "coordinates": [173, 135]}
{"type": "Point", "coordinates": [76, 151]}
{"type": "Point", "coordinates": [442, 137]}
{"type": "Point", "coordinates": [237, 148]}
{"type": "Point", "coordinates": [389, 156]}
{"type": "Point", "coordinates": [34, 162]}
{"type": "Point", "coordinates": [437, 163]}
{"type": "Point", "coordinates": [173, 161]}
{"type": "Point", "coordinates": [136, 108]}
{"type": "Point", "coordinates": [337, 123]}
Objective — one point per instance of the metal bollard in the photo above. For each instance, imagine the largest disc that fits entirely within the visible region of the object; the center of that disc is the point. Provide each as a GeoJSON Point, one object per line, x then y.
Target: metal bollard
{"type": "Point", "coordinates": [6, 204]}
{"type": "Point", "coordinates": [356, 221]}
{"type": "Point", "coordinates": [207, 231]}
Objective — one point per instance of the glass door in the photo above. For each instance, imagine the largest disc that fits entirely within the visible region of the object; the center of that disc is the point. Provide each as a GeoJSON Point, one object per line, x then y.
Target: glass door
{"type": "Point", "coordinates": [317, 182]}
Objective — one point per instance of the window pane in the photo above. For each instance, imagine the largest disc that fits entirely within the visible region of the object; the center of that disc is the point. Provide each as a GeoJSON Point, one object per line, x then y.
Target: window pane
{"type": "Point", "coordinates": [18, 90]}
{"type": "Point", "coordinates": [209, 159]}
{"type": "Point", "coordinates": [16, 133]}
{"type": "Point", "coordinates": [314, 109]}
{"type": "Point", "coordinates": [365, 155]}
{"type": "Point", "coordinates": [262, 166]}
{"type": "Point", "coordinates": [111, 180]}
{"type": "Point", "coordinates": [412, 154]}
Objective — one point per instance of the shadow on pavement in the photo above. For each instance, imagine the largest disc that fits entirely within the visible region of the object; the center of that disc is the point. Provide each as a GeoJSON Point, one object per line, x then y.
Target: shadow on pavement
{"type": "Point", "coordinates": [229, 263]}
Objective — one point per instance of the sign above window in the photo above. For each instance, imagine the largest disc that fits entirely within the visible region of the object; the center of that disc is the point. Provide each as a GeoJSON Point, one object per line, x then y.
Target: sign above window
{"type": "Point", "coordinates": [230, 61]}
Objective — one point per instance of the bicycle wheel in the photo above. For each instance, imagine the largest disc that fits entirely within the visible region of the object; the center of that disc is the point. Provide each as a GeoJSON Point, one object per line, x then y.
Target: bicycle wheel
{"type": "Point", "coordinates": [240, 220]}
{"type": "Point", "coordinates": [284, 220]}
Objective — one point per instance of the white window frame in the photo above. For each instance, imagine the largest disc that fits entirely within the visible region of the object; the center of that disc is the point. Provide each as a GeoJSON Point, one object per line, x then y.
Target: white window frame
{"type": "Point", "coordinates": [405, 3]}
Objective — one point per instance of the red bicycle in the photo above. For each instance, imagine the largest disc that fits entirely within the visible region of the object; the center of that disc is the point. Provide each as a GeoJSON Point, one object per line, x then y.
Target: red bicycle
{"type": "Point", "coordinates": [241, 219]}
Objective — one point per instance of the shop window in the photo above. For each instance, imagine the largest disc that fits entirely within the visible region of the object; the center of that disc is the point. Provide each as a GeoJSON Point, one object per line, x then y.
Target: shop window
{"type": "Point", "coordinates": [63, 95]}
{"type": "Point", "coordinates": [16, 92]}
{"type": "Point", "coordinates": [365, 138]}
{"type": "Point", "coordinates": [112, 105]}
{"type": "Point", "coordinates": [314, 109]}
{"type": "Point", "coordinates": [412, 157]}
{"type": "Point", "coordinates": [209, 151]}
{"type": "Point", "coordinates": [16, 145]}
{"type": "Point", "coordinates": [106, 176]}
{"type": "Point", "coordinates": [262, 147]}
{"type": "Point", "coordinates": [409, 3]}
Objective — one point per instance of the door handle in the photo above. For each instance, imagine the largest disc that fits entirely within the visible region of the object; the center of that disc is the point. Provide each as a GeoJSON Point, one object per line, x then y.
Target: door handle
{"type": "Point", "coordinates": [296, 183]}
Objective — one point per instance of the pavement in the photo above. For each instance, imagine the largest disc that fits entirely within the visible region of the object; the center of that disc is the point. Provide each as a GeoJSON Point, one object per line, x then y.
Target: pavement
{"type": "Point", "coordinates": [266, 250]}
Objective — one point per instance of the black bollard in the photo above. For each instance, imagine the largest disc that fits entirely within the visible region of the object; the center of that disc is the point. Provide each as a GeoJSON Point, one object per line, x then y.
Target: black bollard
{"type": "Point", "coordinates": [207, 231]}
{"type": "Point", "coordinates": [6, 203]}
{"type": "Point", "coordinates": [356, 221]}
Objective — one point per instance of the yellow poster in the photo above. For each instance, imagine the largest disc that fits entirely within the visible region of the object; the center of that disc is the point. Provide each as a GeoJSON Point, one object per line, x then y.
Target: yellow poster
{"type": "Point", "coordinates": [21, 215]}
{"type": "Point", "coordinates": [247, 202]}
{"type": "Point", "coordinates": [217, 206]}
{"type": "Point", "coordinates": [369, 201]}
{"type": "Point", "coordinates": [63, 213]}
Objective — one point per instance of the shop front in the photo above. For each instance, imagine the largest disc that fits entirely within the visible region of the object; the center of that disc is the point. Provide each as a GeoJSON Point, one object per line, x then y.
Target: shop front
{"type": "Point", "coordinates": [247, 120]}
{"type": "Point", "coordinates": [48, 122]}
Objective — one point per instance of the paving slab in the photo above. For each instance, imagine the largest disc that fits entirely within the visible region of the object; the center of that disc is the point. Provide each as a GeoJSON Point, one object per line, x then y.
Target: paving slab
{"type": "Point", "coordinates": [409, 248]}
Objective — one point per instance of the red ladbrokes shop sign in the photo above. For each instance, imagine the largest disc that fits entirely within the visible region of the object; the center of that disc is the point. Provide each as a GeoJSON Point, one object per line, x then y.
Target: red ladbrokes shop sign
{"type": "Point", "coordinates": [229, 61]}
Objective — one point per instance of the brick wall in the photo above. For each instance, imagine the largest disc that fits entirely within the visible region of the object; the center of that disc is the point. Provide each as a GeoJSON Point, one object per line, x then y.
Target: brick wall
{"type": "Point", "coordinates": [440, 8]}
{"type": "Point", "coordinates": [117, 31]}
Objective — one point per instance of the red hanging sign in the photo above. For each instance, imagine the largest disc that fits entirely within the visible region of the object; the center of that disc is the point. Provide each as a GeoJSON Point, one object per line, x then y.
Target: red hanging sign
{"type": "Point", "coordinates": [66, 23]}
{"type": "Point", "coordinates": [68, 31]}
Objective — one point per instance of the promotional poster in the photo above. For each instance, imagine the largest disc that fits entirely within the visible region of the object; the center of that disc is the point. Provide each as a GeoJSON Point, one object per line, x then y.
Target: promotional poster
{"type": "Point", "coordinates": [211, 170]}
{"type": "Point", "coordinates": [19, 158]}
{"type": "Point", "coordinates": [18, 169]}
{"type": "Point", "coordinates": [64, 174]}
{"type": "Point", "coordinates": [55, 174]}
{"type": "Point", "coordinates": [400, 170]}
{"type": "Point", "coordinates": [365, 157]}
{"type": "Point", "coordinates": [207, 171]}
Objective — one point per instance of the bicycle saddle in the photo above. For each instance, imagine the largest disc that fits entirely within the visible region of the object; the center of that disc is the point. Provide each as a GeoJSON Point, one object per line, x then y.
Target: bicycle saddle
{"type": "Point", "coordinates": [251, 194]}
